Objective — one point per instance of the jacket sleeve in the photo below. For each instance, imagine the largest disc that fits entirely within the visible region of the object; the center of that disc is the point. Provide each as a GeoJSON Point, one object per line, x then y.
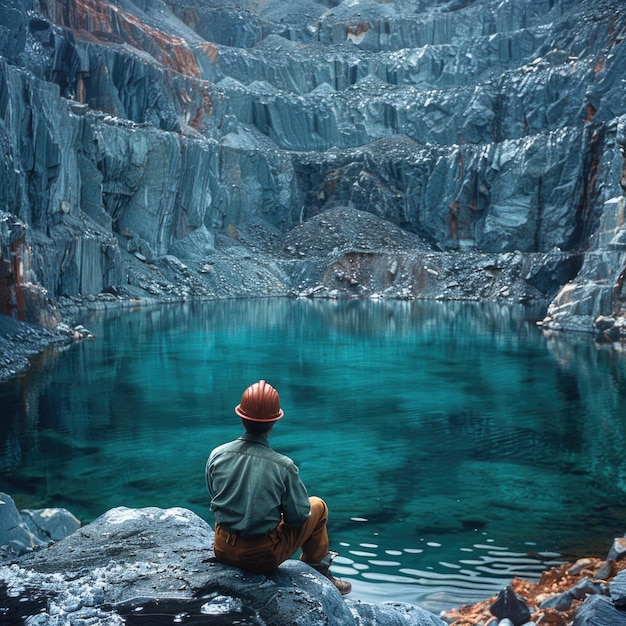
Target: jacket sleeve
{"type": "Point", "coordinates": [295, 506]}
{"type": "Point", "coordinates": [207, 476]}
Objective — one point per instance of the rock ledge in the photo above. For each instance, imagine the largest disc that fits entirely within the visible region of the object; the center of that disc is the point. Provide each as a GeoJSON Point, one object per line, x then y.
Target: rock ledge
{"type": "Point", "coordinates": [132, 563]}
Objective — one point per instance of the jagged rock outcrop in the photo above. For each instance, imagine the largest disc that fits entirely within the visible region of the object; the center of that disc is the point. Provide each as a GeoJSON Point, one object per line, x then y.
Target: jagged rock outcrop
{"type": "Point", "coordinates": [139, 562]}
{"type": "Point", "coordinates": [597, 293]}
{"type": "Point", "coordinates": [22, 532]}
{"type": "Point", "coordinates": [171, 149]}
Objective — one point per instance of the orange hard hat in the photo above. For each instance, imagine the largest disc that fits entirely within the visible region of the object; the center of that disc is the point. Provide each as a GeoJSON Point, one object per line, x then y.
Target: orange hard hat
{"type": "Point", "coordinates": [260, 402]}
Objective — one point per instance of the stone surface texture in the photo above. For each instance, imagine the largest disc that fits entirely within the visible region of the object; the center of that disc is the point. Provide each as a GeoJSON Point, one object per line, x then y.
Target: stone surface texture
{"type": "Point", "coordinates": [160, 562]}
{"type": "Point", "coordinates": [153, 565]}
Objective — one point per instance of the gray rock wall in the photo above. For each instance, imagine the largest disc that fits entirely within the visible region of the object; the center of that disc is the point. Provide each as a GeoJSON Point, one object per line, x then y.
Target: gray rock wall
{"type": "Point", "coordinates": [146, 144]}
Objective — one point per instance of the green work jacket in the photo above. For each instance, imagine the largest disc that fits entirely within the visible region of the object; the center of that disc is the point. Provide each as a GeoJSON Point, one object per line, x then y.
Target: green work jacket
{"type": "Point", "coordinates": [253, 487]}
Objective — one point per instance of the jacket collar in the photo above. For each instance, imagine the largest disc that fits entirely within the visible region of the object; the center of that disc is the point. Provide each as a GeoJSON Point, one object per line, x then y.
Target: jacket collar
{"type": "Point", "coordinates": [255, 438]}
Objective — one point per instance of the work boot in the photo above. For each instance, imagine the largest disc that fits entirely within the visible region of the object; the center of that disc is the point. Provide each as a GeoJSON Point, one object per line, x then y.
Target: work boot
{"type": "Point", "coordinates": [323, 567]}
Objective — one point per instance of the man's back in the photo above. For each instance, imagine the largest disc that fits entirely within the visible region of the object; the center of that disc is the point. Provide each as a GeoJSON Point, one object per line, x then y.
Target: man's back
{"type": "Point", "coordinates": [254, 487]}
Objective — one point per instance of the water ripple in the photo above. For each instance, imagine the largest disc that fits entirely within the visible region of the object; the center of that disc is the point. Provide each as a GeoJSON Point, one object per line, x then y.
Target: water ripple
{"type": "Point", "coordinates": [440, 584]}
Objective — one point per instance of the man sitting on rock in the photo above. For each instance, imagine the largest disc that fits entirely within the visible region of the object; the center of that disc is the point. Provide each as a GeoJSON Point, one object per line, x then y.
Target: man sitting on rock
{"type": "Point", "coordinates": [263, 513]}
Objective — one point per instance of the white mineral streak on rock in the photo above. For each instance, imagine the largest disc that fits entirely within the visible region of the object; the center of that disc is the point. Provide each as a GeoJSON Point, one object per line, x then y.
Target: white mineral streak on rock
{"type": "Point", "coordinates": [122, 514]}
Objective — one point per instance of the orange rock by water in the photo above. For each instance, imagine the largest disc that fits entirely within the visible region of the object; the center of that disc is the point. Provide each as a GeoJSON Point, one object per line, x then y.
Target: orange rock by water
{"type": "Point", "coordinates": [552, 582]}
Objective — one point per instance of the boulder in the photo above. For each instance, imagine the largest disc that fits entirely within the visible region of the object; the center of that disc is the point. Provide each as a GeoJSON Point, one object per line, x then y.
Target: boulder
{"type": "Point", "coordinates": [29, 529]}
{"type": "Point", "coordinates": [618, 549]}
{"type": "Point", "coordinates": [599, 610]}
{"type": "Point", "coordinates": [143, 561]}
{"type": "Point", "coordinates": [586, 587]}
{"type": "Point", "coordinates": [508, 605]}
{"type": "Point", "coordinates": [14, 533]}
{"type": "Point", "coordinates": [559, 602]}
{"type": "Point", "coordinates": [52, 524]}
{"type": "Point", "coordinates": [617, 589]}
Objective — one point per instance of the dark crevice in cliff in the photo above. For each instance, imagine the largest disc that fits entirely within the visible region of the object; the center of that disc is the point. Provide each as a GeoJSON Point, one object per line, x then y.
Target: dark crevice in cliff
{"type": "Point", "coordinates": [588, 212]}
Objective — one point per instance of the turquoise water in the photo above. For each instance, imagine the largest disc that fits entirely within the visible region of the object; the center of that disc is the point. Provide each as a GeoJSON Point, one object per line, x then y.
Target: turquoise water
{"type": "Point", "coordinates": [455, 444]}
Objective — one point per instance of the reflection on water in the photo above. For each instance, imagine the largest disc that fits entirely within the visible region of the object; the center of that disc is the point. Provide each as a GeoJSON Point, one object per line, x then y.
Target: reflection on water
{"type": "Point", "coordinates": [455, 445]}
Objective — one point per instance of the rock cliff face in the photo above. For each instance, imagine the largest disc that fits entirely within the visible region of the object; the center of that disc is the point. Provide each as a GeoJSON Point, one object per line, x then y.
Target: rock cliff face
{"type": "Point", "coordinates": [206, 148]}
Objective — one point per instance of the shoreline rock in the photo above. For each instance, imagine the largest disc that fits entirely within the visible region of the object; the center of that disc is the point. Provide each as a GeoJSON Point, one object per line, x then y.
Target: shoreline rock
{"type": "Point", "coordinates": [584, 593]}
{"type": "Point", "coordinates": [21, 342]}
{"type": "Point", "coordinates": [131, 564]}
{"type": "Point", "coordinates": [160, 561]}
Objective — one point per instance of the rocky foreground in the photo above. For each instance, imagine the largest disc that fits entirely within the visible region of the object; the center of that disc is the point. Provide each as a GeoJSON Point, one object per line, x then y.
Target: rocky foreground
{"type": "Point", "coordinates": [590, 592]}
{"type": "Point", "coordinates": [156, 566]}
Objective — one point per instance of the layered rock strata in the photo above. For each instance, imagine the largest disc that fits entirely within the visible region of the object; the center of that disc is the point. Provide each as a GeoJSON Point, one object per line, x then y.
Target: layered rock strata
{"type": "Point", "coordinates": [177, 149]}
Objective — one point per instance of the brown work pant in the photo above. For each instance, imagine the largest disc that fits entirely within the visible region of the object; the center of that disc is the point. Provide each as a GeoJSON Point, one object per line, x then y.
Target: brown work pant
{"type": "Point", "coordinates": [262, 554]}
